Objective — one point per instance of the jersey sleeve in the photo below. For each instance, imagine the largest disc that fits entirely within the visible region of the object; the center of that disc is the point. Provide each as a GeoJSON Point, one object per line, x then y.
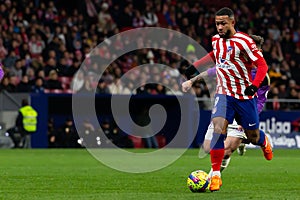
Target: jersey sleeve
{"type": "Point", "coordinates": [208, 59]}
{"type": "Point", "coordinates": [262, 69]}
{"type": "Point", "coordinates": [257, 58]}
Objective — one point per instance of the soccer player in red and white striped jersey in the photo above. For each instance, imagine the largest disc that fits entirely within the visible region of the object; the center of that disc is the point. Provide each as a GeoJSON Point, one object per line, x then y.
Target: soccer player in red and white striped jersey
{"type": "Point", "coordinates": [234, 60]}
{"type": "Point", "coordinates": [234, 54]}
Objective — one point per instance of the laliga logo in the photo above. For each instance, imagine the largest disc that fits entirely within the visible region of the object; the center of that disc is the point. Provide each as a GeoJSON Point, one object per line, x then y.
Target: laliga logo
{"type": "Point", "coordinates": [276, 126]}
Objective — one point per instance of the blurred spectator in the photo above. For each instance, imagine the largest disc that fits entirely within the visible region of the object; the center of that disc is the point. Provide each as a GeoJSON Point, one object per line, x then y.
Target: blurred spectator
{"type": "Point", "coordinates": [102, 87]}
{"type": "Point", "coordinates": [126, 20]}
{"type": "Point", "coordinates": [38, 64]}
{"type": "Point", "coordinates": [51, 65]}
{"type": "Point", "coordinates": [52, 134]}
{"type": "Point", "coordinates": [114, 135]}
{"type": "Point", "coordinates": [275, 74]}
{"type": "Point", "coordinates": [12, 83]}
{"type": "Point", "coordinates": [38, 87]}
{"type": "Point", "coordinates": [275, 103]}
{"type": "Point", "coordinates": [87, 86]}
{"type": "Point", "coordinates": [150, 17]}
{"type": "Point", "coordinates": [71, 71]}
{"type": "Point", "coordinates": [138, 20]}
{"type": "Point", "coordinates": [67, 135]}
{"type": "Point", "coordinates": [16, 70]}
{"type": "Point", "coordinates": [118, 87]}
{"type": "Point", "coordinates": [175, 89]}
{"type": "Point", "coordinates": [292, 85]}
{"type": "Point", "coordinates": [10, 60]}
{"type": "Point", "coordinates": [293, 94]}
{"type": "Point", "coordinates": [78, 81]}
{"type": "Point", "coordinates": [41, 74]}
{"type": "Point", "coordinates": [282, 91]}
{"type": "Point", "coordinates": [53, 82]}
{"type": "Point", "coordinates": [89, 138]}
{"type": "Point", "coordinates": [36, 45]}
{"type": "Point", "coordinates": [157, 89]}
{"type": "Point", "coordinates": [31, 75]}
{"type": "Point", "coordinates": [4, 83]}
{"type": "Point", "coordinates": [143, 120]}
{"type": "Point", "coordinates": [105, 20]}
{"type": "Point", "coordinates": [24, 85]}
{"type": "Point", "coordinates": [273, 95]}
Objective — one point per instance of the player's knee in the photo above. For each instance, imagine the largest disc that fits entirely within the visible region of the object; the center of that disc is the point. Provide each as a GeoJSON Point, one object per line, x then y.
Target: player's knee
{"type": "Point", "coordinates": [218, 129]}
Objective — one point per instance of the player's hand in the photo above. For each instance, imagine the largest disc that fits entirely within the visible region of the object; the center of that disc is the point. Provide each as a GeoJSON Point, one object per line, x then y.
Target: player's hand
{"type": "Point", "coordinates": [240, 128]}
{"type": "Point", "coordinates": [186, 85]}
{"type": "Point", "coordinates": [190, 71]}
{"type": "Point", "coordinates": [250, 90]}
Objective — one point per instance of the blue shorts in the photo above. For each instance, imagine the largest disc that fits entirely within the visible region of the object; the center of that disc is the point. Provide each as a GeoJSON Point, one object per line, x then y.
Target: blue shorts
{"type": "Point", "coordinates": [244, 111]}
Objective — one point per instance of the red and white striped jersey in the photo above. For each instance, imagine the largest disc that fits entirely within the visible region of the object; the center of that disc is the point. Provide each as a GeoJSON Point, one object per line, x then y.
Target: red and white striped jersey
{"type": "Point", "coordinates": [234, 59]}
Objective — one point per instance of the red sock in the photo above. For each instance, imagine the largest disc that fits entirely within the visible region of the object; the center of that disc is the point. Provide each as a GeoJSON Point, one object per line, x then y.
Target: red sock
{"type": "Point", "coordinates": [216, 156]}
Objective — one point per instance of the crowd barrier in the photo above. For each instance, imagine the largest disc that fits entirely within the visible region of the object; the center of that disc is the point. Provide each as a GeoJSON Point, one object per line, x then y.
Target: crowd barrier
{"type": "Point", "coordinates": [282, 125]}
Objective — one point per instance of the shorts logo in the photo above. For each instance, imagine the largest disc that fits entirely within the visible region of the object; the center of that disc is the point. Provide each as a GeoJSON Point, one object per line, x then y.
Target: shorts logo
{"type": "Point", "coordinates": [251, 124]}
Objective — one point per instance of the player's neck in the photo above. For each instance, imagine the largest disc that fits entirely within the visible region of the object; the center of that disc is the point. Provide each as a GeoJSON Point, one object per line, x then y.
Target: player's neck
{"type": "Point", "coordinates": [233, 32]}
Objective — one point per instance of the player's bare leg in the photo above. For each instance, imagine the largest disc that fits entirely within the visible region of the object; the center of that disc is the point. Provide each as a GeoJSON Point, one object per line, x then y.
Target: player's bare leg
{"type": "Point", "coordinates": [231, 144]}
{"type": "Point", "coordinates": [258, 137]}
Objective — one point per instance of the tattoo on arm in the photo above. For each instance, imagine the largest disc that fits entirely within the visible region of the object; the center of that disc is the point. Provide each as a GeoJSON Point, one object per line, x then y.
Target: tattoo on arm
{"type": "Point", "coordinates": [199, 77]}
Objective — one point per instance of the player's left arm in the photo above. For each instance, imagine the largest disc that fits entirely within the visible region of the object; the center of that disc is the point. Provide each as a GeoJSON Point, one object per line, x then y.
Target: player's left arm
{"type": "Point", "coordinates": [262, 68]}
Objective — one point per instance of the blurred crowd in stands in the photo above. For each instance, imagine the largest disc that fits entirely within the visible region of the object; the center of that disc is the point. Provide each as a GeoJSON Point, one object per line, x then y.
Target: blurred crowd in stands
{"type": "Point", "coordinates": [43, 44]}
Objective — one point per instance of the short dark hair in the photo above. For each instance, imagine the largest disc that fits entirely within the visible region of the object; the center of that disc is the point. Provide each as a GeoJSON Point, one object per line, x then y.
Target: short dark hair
{"type": "Point", "coordinates": [225, 11]}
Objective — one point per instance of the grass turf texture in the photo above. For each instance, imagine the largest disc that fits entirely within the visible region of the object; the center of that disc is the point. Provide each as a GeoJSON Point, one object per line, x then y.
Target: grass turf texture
{"type": "Point", "coordinates": [75, 174]}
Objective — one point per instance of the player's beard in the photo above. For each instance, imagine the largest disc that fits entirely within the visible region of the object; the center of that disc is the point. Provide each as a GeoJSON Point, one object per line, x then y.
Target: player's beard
{"type": "Point", "coordinates": [226, 35]}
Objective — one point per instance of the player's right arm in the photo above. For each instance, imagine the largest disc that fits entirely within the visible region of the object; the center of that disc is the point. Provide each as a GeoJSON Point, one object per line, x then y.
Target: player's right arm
{"type": "Point", "coordinates": [211, 72]}
{"type": "Point", "coordinates": [186, 85]}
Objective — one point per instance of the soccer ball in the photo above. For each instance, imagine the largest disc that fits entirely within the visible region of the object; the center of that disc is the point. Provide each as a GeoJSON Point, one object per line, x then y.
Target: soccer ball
{"type": "Point", "coordinates": [198, 181]}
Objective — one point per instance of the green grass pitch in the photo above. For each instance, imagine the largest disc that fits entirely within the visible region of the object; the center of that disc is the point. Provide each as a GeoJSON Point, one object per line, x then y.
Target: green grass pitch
{"type": "Point", "coordinates": [75, 174]}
